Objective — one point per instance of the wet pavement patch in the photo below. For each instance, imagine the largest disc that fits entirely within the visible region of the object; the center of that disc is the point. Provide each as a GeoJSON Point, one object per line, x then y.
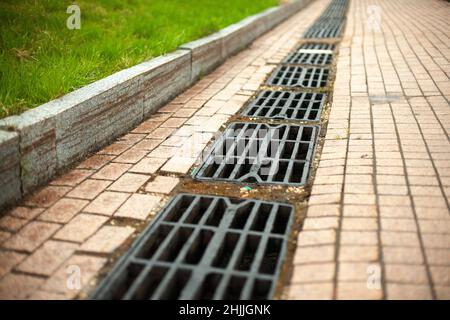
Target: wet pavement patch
{"type": "Point", "coordinates": [261, 153]}
{"type": "Point", "coordinates": [294, 76]}
{"type": "Point", "coordinates": [205, 247]}
{"type": "Point", "coordinates": [284, 105]}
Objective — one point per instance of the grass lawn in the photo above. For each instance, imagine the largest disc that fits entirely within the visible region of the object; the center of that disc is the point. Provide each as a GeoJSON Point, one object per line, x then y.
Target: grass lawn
{"type": "Point", "coordinates": [41, 59]}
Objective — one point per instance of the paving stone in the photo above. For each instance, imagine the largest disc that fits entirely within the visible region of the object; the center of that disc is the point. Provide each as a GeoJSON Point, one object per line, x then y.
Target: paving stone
{"type": "Point", "coordinates": [31, 236]}
{"type": "Point", "coordinates": [46, 196]}
{"type": "Point", "coordinates": [107, 239]}
{"type": "Point", "coordinates": [396, 291]}
{"type": "Point", "coordinates": [178, 164]}
{"type": "Point", "coordinates": [138, 206]}
{"type": "Point", "coordinates": [25, 212]}
{"type": "Point", "coordinates": [8, 260]}
{"type": "Point", "coordinates": [72, 178]}
{"type": "Point", "coordinates": [80, 228]}
{"type": "Point", "coordinates": [366, 253]}
{"type": "Point", "coordinates": [18, 286]}
{"type": "Point", "coordinates": [357, 291]}
{"type": "Point", "coordinates": [314, 254]}
{"type": "Point", "coordinates": [111, 171]}
{"type": "Point", "coordinates": [89, 189]}
{"type": "Point", "coordinates": [4, 235]}
{"type": "Point", "coordinates": [11, 223]}
{"type": "Point", "coordinates": [73, 275]}
{"type": "Point", "coordinates": [311, 291]}
{"type": "Point", "coordinates": [131, 156]}
{"type": "Point", "coordinates": [129, 182]}
{"type": "Point", "coordinates": [409, 274]}
{"type": "Point", "coordinates": [63, 210]}
{"type": "Point", "coordinates": [47, 258]}
{"type": "Point", "coordinates": [148, 165]}
{"type": "Point", "coordinates": [95, 162]}
{"type": "Point", "coordinates": [107, 202]}
{"type": "Point", "coordinates": [312, 273]}
{"type": "Point", "coordinates": [162, 184]}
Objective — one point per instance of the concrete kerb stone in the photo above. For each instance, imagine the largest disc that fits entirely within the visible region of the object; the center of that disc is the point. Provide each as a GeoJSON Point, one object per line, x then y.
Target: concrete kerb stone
{"type": "Point", "coordinates": [9, 167]}
{"type": "Point", "coordinates": [206, 53]}
{"type": "Point", "coordinates": [62, 131]}
{"type": "Point", "coordinates": [167, 76]}
{"type": "Point", "coordinates": [37, 146]}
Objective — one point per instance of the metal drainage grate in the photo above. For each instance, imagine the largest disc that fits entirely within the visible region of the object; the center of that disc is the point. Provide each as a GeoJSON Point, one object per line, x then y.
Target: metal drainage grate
{"type": "Point", "coordinates": [260, 153]}
{"type": "Point", "coordinates": [205, 247]}
{"type": "Point", "coordinates": [325, 30]}
{"type": "Point", "coordinates": [317, 46]}
{"type": "Point", "coordinates": [294, 76]}
{"type": "Point", "coordinates": [309, 56]}
{"type": "Point", "coordinates": [286, 105]}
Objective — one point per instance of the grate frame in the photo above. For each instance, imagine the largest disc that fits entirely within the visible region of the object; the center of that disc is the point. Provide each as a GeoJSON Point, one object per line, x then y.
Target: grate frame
{"type": "Point", "coordinates": [256, 155]}
{"type": "Point", "coordinates": [239, 238]}
{"type": "Point", "coordinates": [285, 105]}
{"type": "Point", "coordinates": [296, 76]}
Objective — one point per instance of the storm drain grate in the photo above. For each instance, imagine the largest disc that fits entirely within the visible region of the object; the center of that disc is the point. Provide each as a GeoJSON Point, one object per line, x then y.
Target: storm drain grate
{"type": "Point", "coordinates": [260, 153]}
{"type": "Point", "coordinates": [317, 46]}
{"type": "Point", "coordinates": [205, 247]}
{"type": "Point", "coordinates": [325, 30]}
{"type": "Point", "coordinates": [294, 76]}
{"type": "Point", "coordinates": [309, 56]}
{"type": "Point", "coordinates": [286, 105]}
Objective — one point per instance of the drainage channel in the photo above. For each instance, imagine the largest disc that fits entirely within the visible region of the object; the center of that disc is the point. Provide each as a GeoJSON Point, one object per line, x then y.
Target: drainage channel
{"type": "Point", "coordinates": [230, 231]}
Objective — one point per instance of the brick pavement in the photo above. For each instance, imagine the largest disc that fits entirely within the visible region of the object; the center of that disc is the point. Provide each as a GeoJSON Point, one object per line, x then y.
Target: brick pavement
{"type": "Point", "coordinates": [378, 223]}
{"type": "Point", "coordinates": [84, 219]}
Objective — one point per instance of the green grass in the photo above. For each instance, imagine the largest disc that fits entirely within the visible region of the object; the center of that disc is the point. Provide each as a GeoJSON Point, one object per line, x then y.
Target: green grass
{"type": "Point", "coordinates": [41, 59]}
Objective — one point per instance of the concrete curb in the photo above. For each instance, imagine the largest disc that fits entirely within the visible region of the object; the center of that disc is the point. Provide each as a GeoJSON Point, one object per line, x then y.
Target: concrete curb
{"type": "Point", "coordinates": [35, 145]}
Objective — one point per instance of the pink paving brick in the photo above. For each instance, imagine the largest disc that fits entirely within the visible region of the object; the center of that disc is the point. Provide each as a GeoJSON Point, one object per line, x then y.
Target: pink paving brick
{"type": "Point", "coordinates": [80, 227]}
{"type": "Point", "coordinates": [129, 182]}
{"type": "Point", "coordinates": [148, 165]}
{"type": "Point", "coordinates": [138, 206]}
{"type": "Point", "coordinates": [31, 236]}
{"type": "Point", "coordinates": [18, 286]}
{"type": "Point", "coordinates": [131, 156]}
{"type": "Point", "coordinates": [107, 202]}
{"type": "Point", "coordinates": [11, 223]}
{"type": "Point", "coordinates": [25, 212]}
{"type": "Point", "coordinates": [72, 178]}
{"type": "Point", "coordinates": [63, 210]}
{"type": "Point", "coordinates": [47, 258]}
{"type": "Point", "coordinates": [9, 259]}
{"type": "Point", "coordinates": [95, 162]}
{"type": "Point", "coordinates": [178, 164]}
{"type": "Point", "coordinates": [107, 239]}
{"type": "Point", "coordinates": [79, 265]}
{"type": "Point", "coordinates": [89, 189]}
{"type": "Point", "coordinates": [111, 171]}
{"type": "Point", "coordinates": [162, 184]}
{"type": "Point", "coordinates": [46, 196]}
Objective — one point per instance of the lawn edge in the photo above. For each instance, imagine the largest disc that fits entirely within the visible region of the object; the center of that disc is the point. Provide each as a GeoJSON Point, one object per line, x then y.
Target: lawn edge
{"type": "Point", "coordinates": [37, 144]}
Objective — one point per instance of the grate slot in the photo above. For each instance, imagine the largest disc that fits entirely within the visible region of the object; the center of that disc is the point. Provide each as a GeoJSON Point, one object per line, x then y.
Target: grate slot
{"type": "Point", "coordinates": [236, 257]}
{"type": "Point", "coordinates": [282, 157]}
{"type": "Point", "coordinates": [295, 76]}
{"type": "Point", "coordinates": [284, 105]}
